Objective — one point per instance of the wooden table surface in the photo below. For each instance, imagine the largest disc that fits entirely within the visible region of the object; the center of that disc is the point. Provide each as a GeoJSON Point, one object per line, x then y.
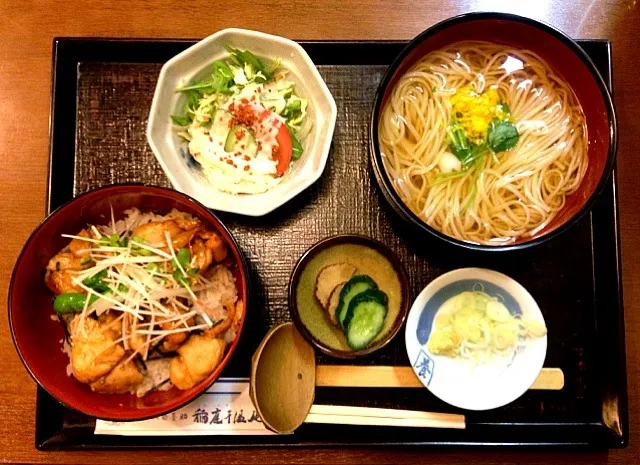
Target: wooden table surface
{"type": "Point", "coordinates": [26, 32]}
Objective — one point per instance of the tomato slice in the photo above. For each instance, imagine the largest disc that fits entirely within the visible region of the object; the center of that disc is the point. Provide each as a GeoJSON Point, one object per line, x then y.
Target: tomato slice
{"type": "Point", "coordinates": [284, 151]}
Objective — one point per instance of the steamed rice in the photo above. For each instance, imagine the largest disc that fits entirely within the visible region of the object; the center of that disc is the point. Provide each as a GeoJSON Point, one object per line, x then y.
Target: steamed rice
{"type": "Point", "coordinates": [134, 218]}
{"type": "Point", "coordinates": [221, 293]}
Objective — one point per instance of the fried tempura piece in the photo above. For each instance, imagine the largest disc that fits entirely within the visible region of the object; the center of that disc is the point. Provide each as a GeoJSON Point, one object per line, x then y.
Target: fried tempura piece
{"type": "Point", "coordinates": [196, 359]}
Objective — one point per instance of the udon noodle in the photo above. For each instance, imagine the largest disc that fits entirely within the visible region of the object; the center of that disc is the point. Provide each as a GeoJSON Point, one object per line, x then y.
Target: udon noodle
{"type": "Point", "coordinates": [503, 194]}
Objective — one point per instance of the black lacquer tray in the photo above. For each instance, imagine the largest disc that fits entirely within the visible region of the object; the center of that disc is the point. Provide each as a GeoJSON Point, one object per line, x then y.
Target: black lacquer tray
{"type": "Point", "coordinates": [102, 92]}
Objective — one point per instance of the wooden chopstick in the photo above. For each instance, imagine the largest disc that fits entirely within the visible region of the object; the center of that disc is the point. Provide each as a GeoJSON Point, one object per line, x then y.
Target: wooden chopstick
{"type": "Point", "coordinates": [393, 376]}
{"type": "Point", "coordinates": [376, 421]}
{"type": "Point", "coordinates": [404, 377]}
{"type": "Point", "coordinates": [351, 411]}
{"type": "Point", "coordinates": [347, 415]}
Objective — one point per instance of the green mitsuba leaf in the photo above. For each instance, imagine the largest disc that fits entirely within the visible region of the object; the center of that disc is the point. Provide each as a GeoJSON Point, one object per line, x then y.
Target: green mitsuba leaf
{"type": "Point", "coordinates": [502, 135]}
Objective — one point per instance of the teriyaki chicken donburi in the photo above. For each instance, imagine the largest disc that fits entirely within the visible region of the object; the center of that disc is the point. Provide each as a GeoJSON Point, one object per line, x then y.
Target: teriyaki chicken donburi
{"type": "Point", "coordinates": [148, 302]}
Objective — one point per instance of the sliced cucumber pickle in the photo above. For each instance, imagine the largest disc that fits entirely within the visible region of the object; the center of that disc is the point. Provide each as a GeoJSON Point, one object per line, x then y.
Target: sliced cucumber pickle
{"type": "Point", "coordinates": [365, 318]}
{"type": "Point", "coordinates": [354, 286]}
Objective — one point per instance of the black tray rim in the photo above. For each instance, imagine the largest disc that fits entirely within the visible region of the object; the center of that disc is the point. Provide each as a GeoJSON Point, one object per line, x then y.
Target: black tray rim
{"type": "Point", "coordinates": [68, 52]}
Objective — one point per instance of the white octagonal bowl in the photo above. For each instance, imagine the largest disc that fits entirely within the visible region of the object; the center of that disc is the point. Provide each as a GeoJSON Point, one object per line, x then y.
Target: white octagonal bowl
{"type": "Point", "coordinates": [195, 63]}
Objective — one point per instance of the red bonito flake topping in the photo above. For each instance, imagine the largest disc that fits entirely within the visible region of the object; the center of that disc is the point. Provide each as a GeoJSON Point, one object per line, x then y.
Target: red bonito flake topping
{"type": "Point", "coordinates": [245, 115]}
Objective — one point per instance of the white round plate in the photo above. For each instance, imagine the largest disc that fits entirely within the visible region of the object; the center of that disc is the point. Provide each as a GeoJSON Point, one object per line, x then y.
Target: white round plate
{"type": "Point", "coordinates": [460, 382]}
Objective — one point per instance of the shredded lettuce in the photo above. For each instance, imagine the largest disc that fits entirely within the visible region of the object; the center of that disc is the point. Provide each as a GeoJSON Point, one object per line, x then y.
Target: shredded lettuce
{"type": "Point", "coordinates": [282, 100]}
{"type": "Point", "coordinates": [295, 111]}
{"type": "Point", "coordinates": [243, 72]}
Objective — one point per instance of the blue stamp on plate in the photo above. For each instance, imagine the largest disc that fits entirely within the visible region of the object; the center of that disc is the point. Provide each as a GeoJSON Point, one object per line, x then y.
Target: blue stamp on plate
{"type": "Point", "coordinates": [424, 366]}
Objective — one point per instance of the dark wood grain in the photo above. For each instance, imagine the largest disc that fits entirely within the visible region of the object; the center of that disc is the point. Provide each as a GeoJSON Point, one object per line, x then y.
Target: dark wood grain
{"type": "Point", "coordinates": [26, 31]}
